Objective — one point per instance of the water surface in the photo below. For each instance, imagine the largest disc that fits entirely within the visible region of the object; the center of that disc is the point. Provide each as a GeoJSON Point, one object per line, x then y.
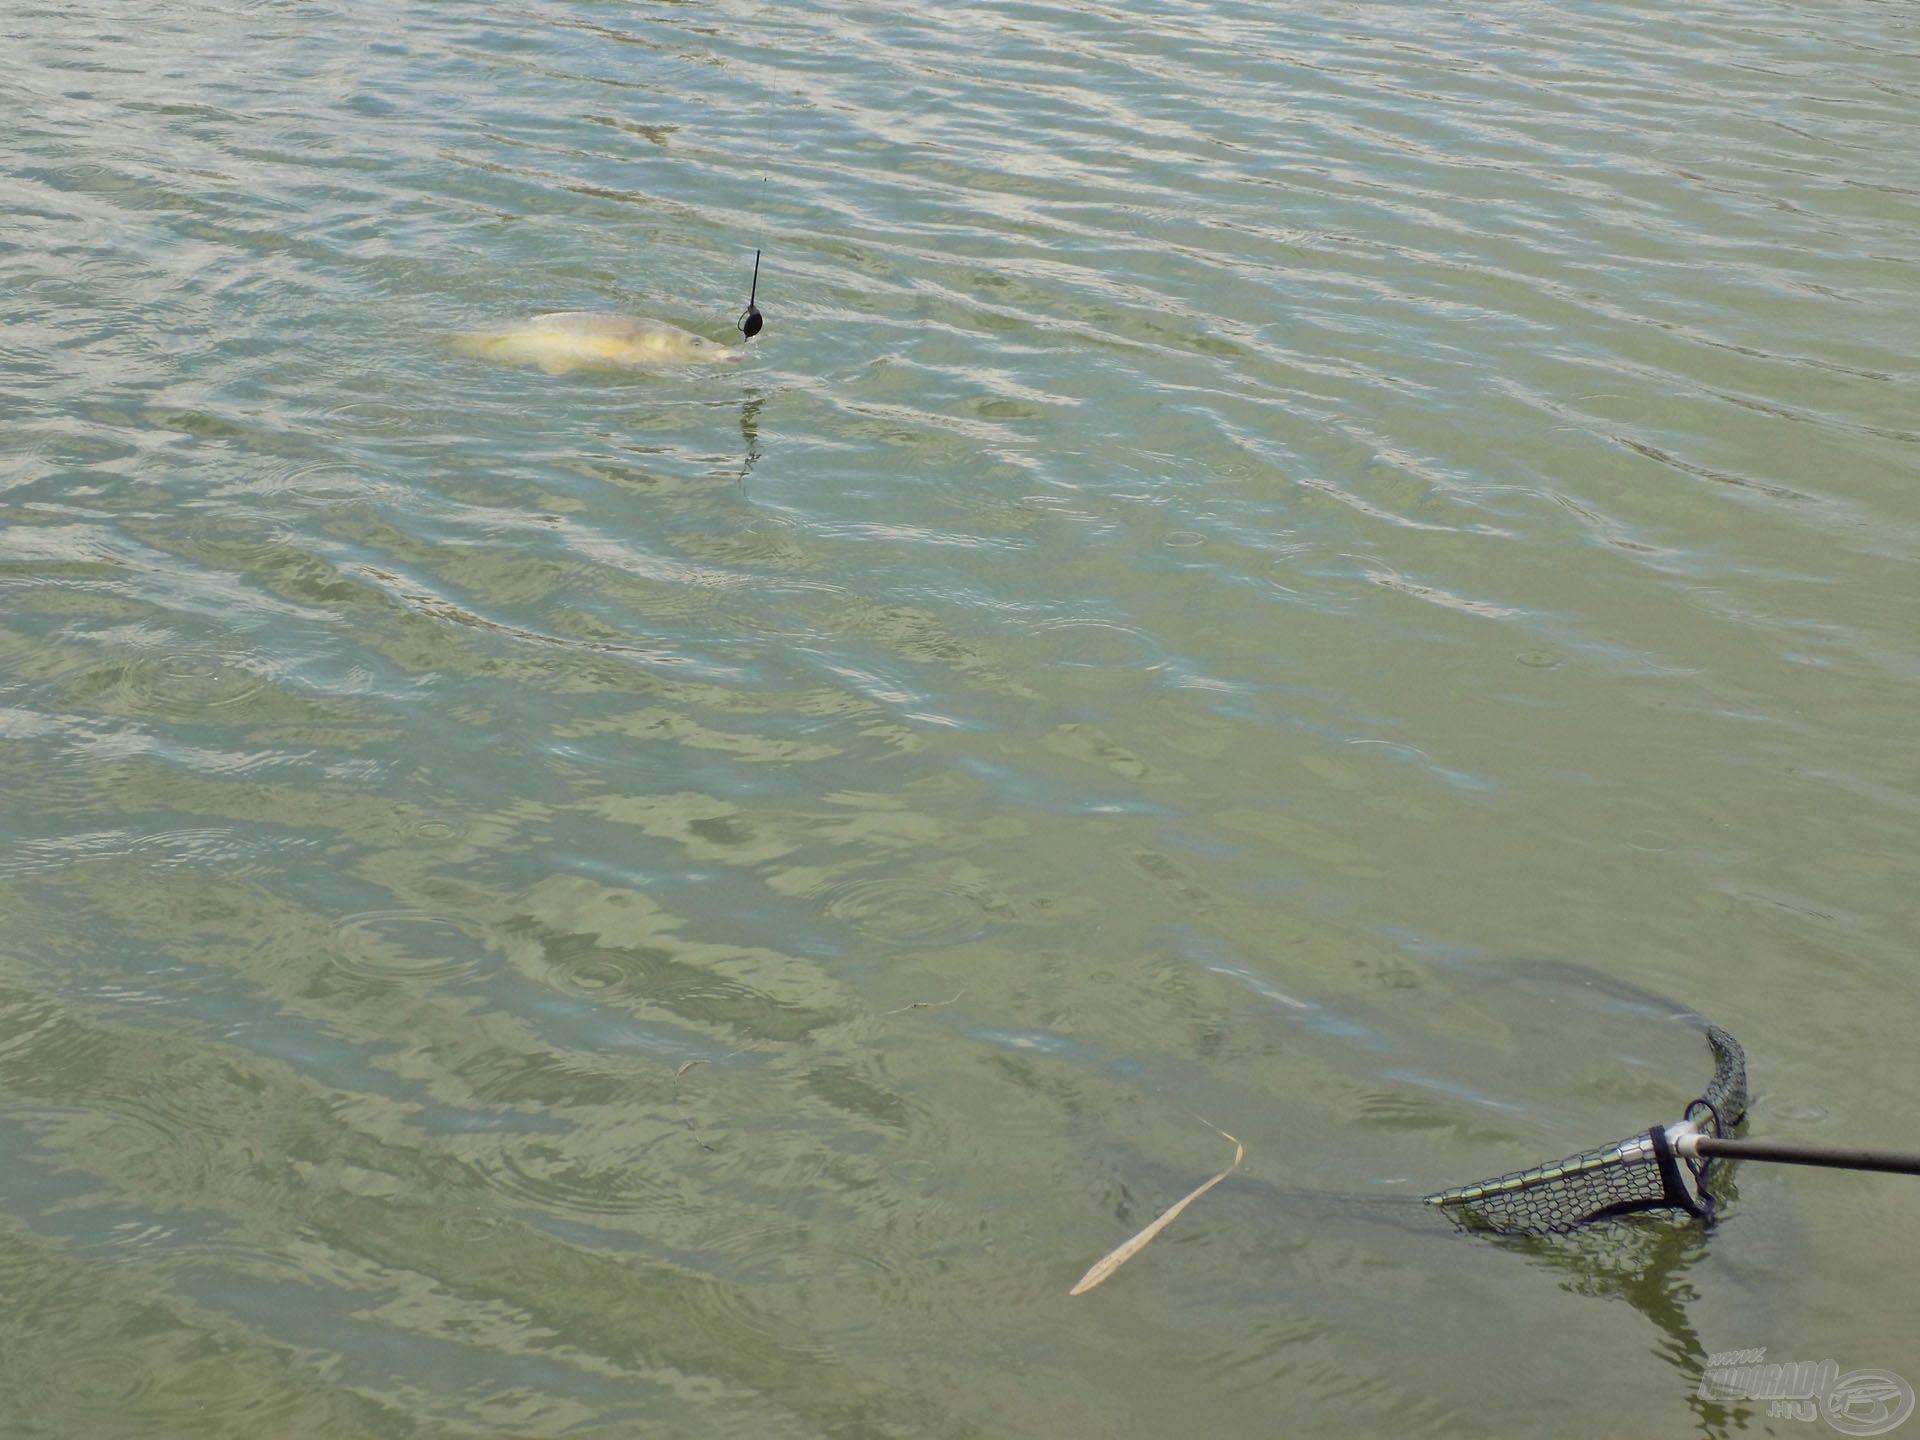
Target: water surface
{"type": "Point", "coordinates": [1323, 572]}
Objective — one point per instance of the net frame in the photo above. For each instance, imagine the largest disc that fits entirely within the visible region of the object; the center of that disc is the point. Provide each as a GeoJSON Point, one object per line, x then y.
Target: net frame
{"type": "Point", "coordinates": [1637, 1175]}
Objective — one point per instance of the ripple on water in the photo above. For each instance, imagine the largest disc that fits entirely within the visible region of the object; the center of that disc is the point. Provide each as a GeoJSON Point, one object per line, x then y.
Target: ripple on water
{"type": "Point", "coordinates": [178, 1250]}
{"type": "Point", "coordinates": [81, 1354]}
{"type": "Point", "coordinates": [93, 1377]}
{"type": "Point", "coordinates": [371, 417]}
{"type": "Point", "coordinates": [188, 684]}
{"type": "Point", "coordinates": [654, 584]}
{"type": "Point", "coordinates": [635, 1167]}
{"type": "Point", "coordinates": [1087, 642]}
{"type": "Point", "coordinates": [409, 947]}
{"type": "Point", "coordinates": [1794, 1113]}
{"type": "Point", "coordinates": [226, 848]}
{"type": "Point", "coordinates": [786, 1282]}
{"type": "Point", "coordinates": [148, 1121]}
{"type": "Point", "coordinates": [550, 1081]}
{"type": "Point", "coordinates": [234, 537]}
{"type": "Point", "coordinates": [685, 595]}
{"type": "Point", "coordinates": [596, 973]}
{"type": "Point", "coordinates": [324, 484]}
{"type": "Point", "coordinates": [914, 912]}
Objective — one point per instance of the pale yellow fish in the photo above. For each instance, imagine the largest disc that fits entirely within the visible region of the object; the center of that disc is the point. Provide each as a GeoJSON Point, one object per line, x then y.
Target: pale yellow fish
{"type": "Point", "coordinates": [1114, 1259]}
{"type": "Point", "coordinates": [579, 339]}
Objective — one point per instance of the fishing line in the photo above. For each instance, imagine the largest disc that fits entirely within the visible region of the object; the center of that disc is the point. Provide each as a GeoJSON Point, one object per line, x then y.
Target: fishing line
{"type": "Point", "coordinates": [750, 322]}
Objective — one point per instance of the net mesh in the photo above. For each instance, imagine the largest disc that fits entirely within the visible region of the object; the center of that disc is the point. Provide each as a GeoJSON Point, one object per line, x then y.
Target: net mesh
{"type": "Point", "coordinates": [1627, 1177]}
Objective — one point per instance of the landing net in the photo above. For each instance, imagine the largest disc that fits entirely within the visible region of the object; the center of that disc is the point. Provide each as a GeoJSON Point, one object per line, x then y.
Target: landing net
{"type": "Point", "coordinates": [1640, 1173]}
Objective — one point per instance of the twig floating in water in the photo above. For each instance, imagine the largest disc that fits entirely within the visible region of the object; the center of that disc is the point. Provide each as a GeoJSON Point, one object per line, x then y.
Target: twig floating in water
{"type": "Point", "coordinates": [1107, 1264]}
{"type": "Point", "coordinates": [925, 1004]}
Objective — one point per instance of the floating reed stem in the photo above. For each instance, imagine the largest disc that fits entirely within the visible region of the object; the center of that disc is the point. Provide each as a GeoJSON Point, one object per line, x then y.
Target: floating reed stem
{"type": "Point", "coordinates": [1113, 1260]}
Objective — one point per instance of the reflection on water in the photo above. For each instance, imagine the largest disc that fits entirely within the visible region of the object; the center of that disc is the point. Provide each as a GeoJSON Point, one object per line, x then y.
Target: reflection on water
{"type": "Point", "coordinates": [1330, 572]}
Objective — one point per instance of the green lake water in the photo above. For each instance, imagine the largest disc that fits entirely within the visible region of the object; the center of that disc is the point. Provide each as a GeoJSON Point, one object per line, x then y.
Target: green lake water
{"type": "Point", "coordinates": [1321, 571]}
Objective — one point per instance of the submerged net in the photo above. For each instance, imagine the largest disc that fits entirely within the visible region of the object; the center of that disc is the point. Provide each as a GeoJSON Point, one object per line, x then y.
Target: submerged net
{"type": "Point", "coordinates": [1640, 1173]}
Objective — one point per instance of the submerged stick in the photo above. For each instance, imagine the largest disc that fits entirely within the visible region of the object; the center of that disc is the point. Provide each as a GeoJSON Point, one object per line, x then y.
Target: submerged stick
{"type": "Point", "coordinates": [1107, 1264]}
{"type": "Point", "coordinates": [925, 1004]}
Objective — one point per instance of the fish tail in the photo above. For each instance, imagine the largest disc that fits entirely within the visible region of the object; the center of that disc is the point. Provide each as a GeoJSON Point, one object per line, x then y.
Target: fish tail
{"type": "Point", "coordinates": [475, 344]}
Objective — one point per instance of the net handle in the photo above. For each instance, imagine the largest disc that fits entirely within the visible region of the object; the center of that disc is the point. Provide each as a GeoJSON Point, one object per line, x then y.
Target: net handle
{"type": "Point", "coordinates": [1694, 1145]}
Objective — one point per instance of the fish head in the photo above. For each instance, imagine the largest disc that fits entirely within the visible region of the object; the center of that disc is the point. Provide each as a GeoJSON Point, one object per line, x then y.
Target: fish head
{"type": "Point", "coordinates": [702, 350]}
